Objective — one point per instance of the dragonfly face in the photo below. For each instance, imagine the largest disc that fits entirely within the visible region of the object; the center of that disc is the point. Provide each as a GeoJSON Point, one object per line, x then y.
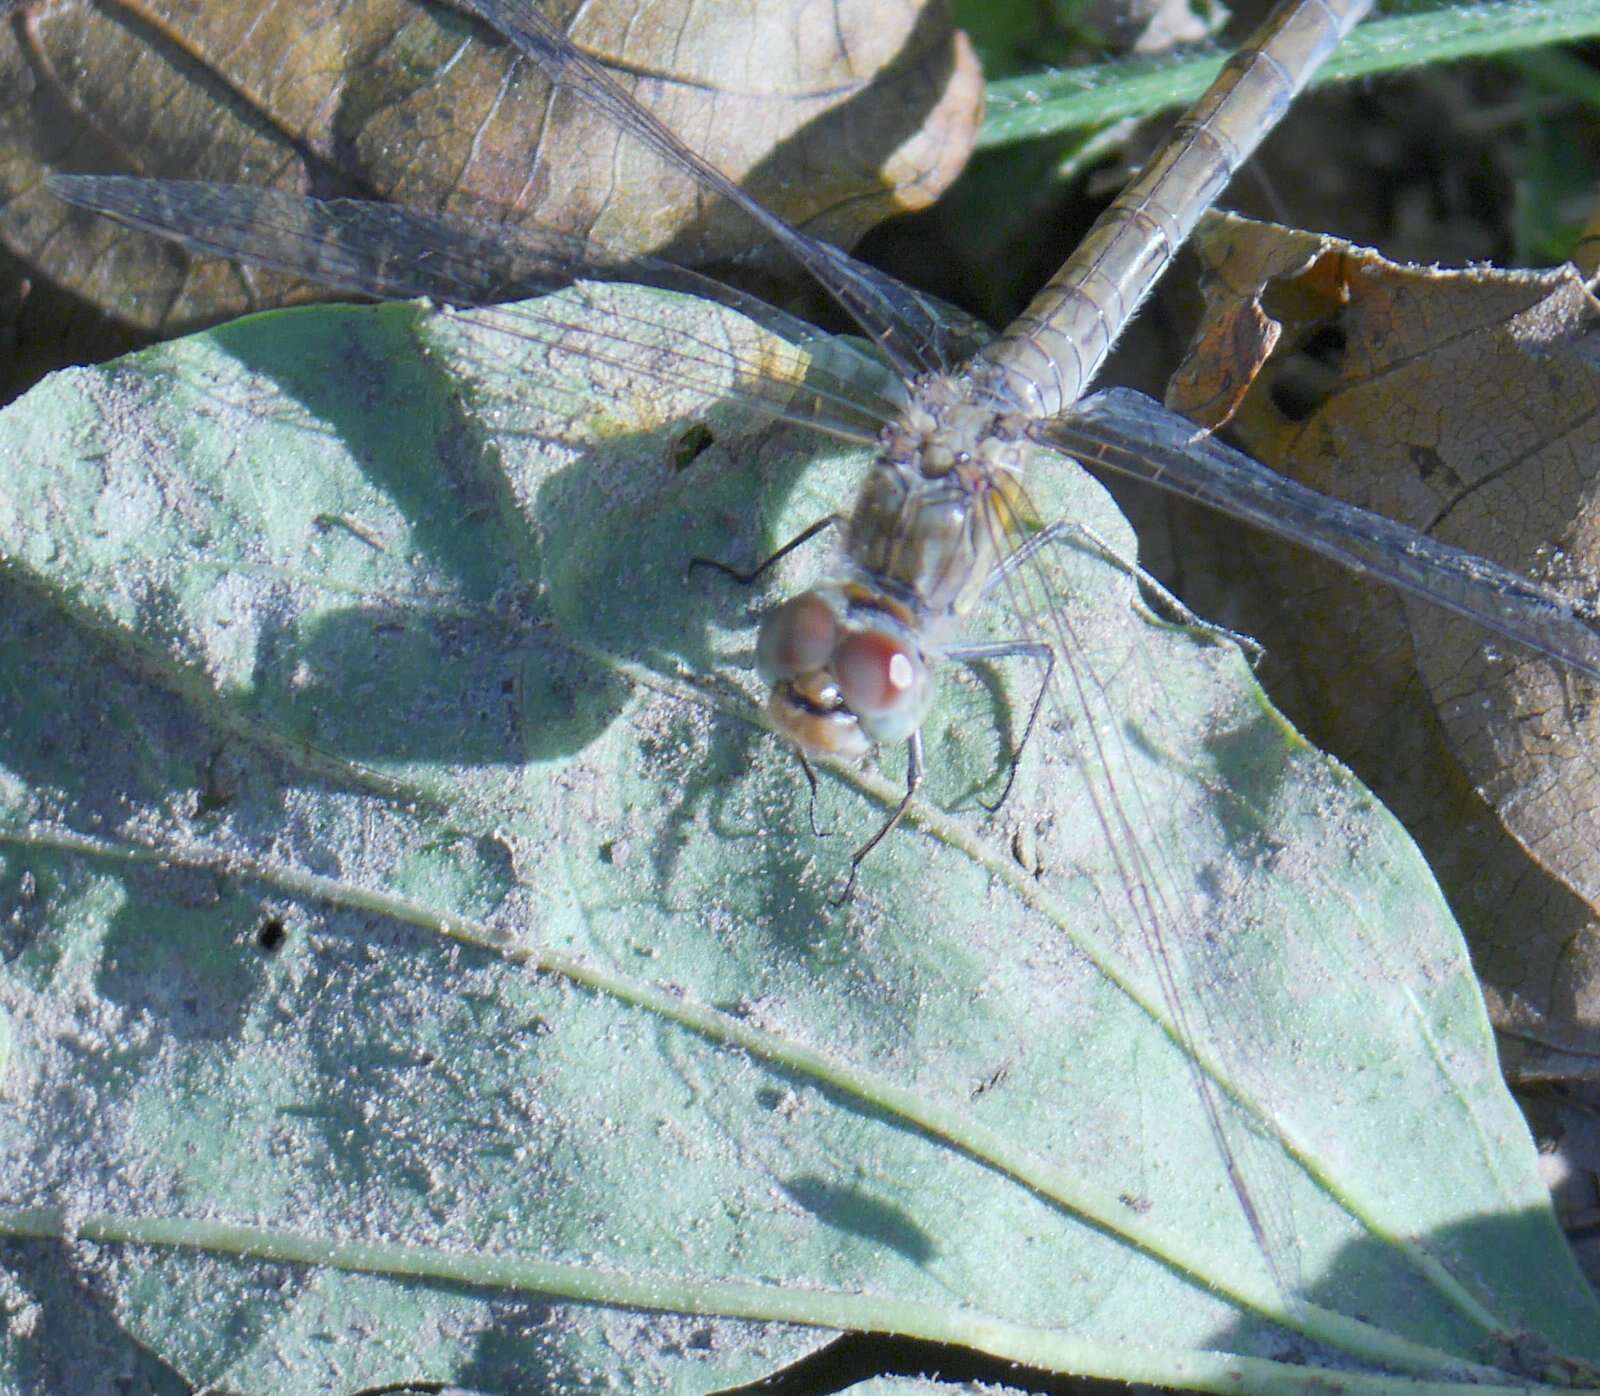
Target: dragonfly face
{"type": "Point", "coordinates": [843, 672]}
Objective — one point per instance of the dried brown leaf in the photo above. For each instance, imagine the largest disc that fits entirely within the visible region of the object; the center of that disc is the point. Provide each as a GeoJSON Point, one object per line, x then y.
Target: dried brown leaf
{"type": "Point", "coordinates": [835, 126]}
{"type": "Point", "coordinates": [1467, 404]}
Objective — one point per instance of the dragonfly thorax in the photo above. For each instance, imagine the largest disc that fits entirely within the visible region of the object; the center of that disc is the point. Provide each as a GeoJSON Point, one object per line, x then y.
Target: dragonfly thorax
{"type": "Point", "coordinates": [844, 670]}
{"type": "Point", "coordinates": [941, 506]}
{"type": "Point", "coordinates": [950, 425]}
{"type": "Point", "coordinates": [847, 664]}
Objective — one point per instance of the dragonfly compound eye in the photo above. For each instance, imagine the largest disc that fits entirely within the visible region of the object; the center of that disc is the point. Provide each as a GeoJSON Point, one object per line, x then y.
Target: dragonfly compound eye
{"type": "Point", "coordinates": [796, 638]}
{"type": "Point", "coordinates": [884, 681]}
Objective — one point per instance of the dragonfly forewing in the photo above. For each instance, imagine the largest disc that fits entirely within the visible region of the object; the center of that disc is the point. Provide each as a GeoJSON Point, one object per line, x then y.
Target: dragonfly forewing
{"type": "Point", "coordinates": [1135, 436]}
{"type": "Point", "coordinates": [391, 253]}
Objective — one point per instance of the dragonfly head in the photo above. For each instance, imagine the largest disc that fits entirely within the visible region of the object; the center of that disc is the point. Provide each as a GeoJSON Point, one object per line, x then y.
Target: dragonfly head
{"type": "Point", "coordinates": [837, 688]}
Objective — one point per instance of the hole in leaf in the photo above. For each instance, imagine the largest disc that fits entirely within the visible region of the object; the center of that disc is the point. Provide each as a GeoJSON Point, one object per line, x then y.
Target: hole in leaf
{"type": "Point", "coordinates": [1305, 377]}
{"type": "Point", "coordinates": [689, 446]}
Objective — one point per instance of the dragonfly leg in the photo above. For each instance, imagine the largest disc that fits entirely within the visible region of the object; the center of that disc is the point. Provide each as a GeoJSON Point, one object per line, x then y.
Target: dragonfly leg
{"type": "Point", "coordinates": [811, 781]}
{"type": "Point", "coordinates": [1037, 650]}
{"type": "Point", "coordinates": [914, 773]}
{"type": "Point", "coordinates": [1159, 601]}
{"type": "Point", "coordinates": [746, 578]}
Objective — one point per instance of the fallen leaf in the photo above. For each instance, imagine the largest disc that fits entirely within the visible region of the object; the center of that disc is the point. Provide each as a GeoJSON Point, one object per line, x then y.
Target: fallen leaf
{"type": "Point", "coordinates": [835, 127]}
{"type": "Point", "coordinates": [1467, 404]}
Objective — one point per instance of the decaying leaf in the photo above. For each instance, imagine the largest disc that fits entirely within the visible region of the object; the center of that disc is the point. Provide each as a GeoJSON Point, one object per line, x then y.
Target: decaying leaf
{"type": "Point", "coordinates": [1464, 403]}
{"type": "Point", "coordinates": [871, 115]}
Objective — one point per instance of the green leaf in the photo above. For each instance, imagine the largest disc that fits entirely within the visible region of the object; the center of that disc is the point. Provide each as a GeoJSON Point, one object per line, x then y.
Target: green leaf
{"type": "Point", "coordinates": [420, 966]}
{"type": "Point", "coordinates": [1409, 36]}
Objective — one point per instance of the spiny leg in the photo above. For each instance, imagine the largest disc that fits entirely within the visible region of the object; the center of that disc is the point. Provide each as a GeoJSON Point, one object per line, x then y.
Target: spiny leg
{"type": "Point", "coordinates": [1168, 605]}
{"type": "Point", "coordinates": [914, 774]}
{"type": "Point", "coordinates": [744, 579]}
{"type": "Point", "coordinates": [811, 782]}
{"type": "Point", "coordinates": [1038, 650]}
{"type": "Point", "coordinates": [1069, 533]}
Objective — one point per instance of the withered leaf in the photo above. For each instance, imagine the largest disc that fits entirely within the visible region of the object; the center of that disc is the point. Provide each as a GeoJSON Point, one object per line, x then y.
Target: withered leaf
{"type": "Point", "coordinates": [1467, 404]}
{"type": "Point", "coordinates": [836, 127]}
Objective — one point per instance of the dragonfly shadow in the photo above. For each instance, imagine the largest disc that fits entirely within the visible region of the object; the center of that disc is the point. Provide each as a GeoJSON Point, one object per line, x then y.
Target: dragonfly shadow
{"type": "Point", "coordinates": [534, 603]}
{"type": "Point", "coordinates": [854, 1211]}
{"type": "Point", "coordinates": [363, 597]}
{"type": "Point", "coordinates": [537, 574]}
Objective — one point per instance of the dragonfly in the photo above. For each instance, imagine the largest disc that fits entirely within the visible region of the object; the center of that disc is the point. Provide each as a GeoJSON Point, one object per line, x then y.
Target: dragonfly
{"type": "Point", "coordinates": [944, 522]}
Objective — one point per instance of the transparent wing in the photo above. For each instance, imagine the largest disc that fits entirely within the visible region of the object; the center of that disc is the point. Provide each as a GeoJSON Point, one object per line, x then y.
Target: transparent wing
{"type": "Point", "coordinates": [389, 252]}
{"type": "Point", "coordinates": [1305, 995]}
{"type": "Point", "coordinates": [1168, 838]}
{"type": "Point", "coordinates": [914, 332]}
{"type": "Point", "coordinates": [1135, 436]}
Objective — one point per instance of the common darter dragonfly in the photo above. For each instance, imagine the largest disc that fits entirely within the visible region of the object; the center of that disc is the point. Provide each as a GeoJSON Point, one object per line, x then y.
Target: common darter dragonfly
{"type": "Point", "coordinates": [945, 523]}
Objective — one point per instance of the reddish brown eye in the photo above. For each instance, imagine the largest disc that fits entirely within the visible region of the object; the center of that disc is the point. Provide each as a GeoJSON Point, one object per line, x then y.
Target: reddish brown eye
{"type": "Point", "coordinates": [796, 638]}
{"type": "Point", "coordinates": [876, 673]}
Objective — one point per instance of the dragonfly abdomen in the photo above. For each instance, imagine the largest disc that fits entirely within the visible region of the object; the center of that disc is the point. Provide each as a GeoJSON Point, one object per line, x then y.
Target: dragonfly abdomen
{"type": "Point", "coordinates": [1049, 355]}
